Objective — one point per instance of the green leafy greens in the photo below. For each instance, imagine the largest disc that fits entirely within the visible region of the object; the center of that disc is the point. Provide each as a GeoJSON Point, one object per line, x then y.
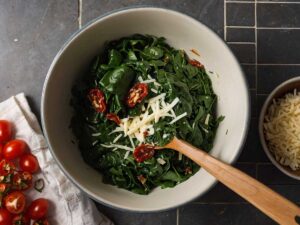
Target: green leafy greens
{"type": "Point", "coordinates": [124, 63]}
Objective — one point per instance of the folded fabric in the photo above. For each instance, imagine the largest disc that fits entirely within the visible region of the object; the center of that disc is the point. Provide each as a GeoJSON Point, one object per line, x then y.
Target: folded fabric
{"type": "Point", "coordinates": [68, 205]}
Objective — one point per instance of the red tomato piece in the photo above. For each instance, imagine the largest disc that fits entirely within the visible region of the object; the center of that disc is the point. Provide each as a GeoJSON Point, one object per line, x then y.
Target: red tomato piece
{"type": "Point", "coordinates": [41, 222]}
{"type": "Point", "coordinates": [136, 94]}
{"type": "Point", "coordinates": [15, 202]}
{"type": "Point", "coordinates": [6, 167]}
{"type": "Point", "coordinates": [22, 181]}
{"type": "Point", "coordinates": [5, 217]}
{"type": "Point", "coordinates": [196, 63]}
{"type": "Point", "coordinates": [29, 162]}
{"type": "Point", "coordinates": [38, 209]}
{"type": "Point", "coordinates": [20, 220]}
{"type": "Point", "coordinates": [143, 152]}
{"type": "Point", "coordinates": [5, 131]}
{"type": "Point", "coordinates": [113, 117]}
{"type": "Point", "coordinates": [14, 149]}
{"type": "Point", "coordinates": [97, 100]}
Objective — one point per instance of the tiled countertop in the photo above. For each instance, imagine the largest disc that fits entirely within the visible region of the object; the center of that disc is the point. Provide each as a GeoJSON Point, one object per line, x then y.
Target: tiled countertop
{"type": "Point", "coordinates": [265, 35]}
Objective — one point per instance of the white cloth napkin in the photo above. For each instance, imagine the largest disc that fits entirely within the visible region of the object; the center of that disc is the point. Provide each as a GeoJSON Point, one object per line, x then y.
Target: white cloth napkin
{"type": "Point", "coordinates": [68, 206]}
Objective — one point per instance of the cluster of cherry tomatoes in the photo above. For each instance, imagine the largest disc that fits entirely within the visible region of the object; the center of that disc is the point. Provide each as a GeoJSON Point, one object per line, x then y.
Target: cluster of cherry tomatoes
{"type": "Point", "coordinates": [17, 165]}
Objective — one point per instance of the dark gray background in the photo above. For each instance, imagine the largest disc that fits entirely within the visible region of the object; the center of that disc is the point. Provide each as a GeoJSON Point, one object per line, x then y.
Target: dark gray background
{"type": "Point", "coordinates": [265, 36]}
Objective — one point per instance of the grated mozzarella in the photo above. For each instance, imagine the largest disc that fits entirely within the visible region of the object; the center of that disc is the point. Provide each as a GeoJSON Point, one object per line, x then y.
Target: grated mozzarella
{"type": "Point", "coordinates": [117, 138]}
{"type": "Point", "coordinates": [154, 91]}
{"type": "Point", "coordinates": [126, 155]}
{"type": "Point", "coordinates": [140, 79]}
{"type": "Point", "coordinates": [96, 134]}
{"type": "Point", "coordinates": [180, 156]}
{"type": "Point", "coordinates": [161, 161]}
{"type": "Point", "coordinates": [148, 81]}
{"type": "Point", "coordinates": [178, 118]}
{"type": "Point", "coordinates": [131, 141]}
{"type": "Point", "coordinates": [207, 119]}
{"type": "Point", "coordinates": [282, 128]}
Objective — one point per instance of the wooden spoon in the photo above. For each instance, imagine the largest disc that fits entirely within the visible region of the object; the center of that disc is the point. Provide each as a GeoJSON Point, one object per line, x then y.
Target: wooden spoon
{"type": "Point", "coordinates": [272, 204]}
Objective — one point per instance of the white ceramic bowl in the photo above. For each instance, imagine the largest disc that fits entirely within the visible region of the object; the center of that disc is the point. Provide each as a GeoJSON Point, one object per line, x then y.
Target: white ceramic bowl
{"type": "Point", "coordinates": [282, 89]}
{"type": "Point", "coordinates": [182, 32]}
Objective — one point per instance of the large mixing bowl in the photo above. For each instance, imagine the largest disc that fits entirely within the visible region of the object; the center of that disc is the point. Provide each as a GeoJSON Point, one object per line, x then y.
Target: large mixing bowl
{"type": "Point", "coordinates": [182, 32]}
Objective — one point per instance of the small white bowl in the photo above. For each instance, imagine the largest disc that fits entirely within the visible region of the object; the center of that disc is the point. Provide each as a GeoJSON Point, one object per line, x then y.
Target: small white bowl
{"type": "Point", "coordinates": [182, 32]}
{"type": "Point", "coordinates": [284, 88]}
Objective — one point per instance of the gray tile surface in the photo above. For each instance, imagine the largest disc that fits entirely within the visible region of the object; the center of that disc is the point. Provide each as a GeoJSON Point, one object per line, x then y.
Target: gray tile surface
{"type": "Point", "coordinates": [279, 46]}
{"type": "Point", "coordinates": [32, 31]}
{"type": "Point", "coordinates": [209, 12]}
{"type": "Point", "coordinates": [216, 214]}
{"type": "Point", "coordinates": [240, 14]}
{"type": "Point", "coordinates": [245, 52]}
{"type": "Point", "coordinates": [278, 15]}
{"type": "Point", "coordinates": [240, 35]}
{"type": "Point", "coordinates": [129, 218]}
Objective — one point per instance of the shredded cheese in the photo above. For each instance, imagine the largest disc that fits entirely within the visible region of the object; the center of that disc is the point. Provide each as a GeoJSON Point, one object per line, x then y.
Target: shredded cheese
{"type": "Point", "coordinates": [96, 134]}
{"type": "Point", "coordinates": [282, 130]}
{"type": "Point", "coordinates": [140, 79]}
{"type": "Point", "coordinates": [154, 91]}
{"type": "Point", "coordinates": [126, 155]}
{"type": "Point", "coordinates": [139, 127]}
{"type": "Point", "coordinates": [178, 118]}
{"type": "Point", "coordinates": [148, 81]}
{"type": "Point", "coordinates": [161, 161]}
{"type": "Point", "coordinates": [117, 138]}
{"type": "Point", "coordinates": [207, 119]}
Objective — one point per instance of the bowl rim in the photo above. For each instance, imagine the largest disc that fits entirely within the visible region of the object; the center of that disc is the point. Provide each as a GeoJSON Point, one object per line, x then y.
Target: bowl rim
{"type": "Point", "coordinates": [260, 127]}
{"type": "Point", "coordinates": [93, 23]}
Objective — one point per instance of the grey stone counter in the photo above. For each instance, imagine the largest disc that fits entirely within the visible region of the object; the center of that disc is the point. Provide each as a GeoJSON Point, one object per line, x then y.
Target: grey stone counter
{"type": "Point", "coordinates": [265, 36]}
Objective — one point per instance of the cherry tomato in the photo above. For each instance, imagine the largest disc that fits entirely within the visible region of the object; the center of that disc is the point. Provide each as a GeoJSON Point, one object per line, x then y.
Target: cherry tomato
{"type": "Point", "coordinates": [22, 181]}
{"type": "Point", "coordinates": [6, 167]}
{"type": "Point", "coordinates": [15, 202]}
{"type": "Point", "coordinates": [14, 149]}
{"type": "Point", "coordinates": [20, 220]}
{"type": "Point", "coordinates": [5, 131]}
{"type": "Point", "coordinates": [136, 94]}
{"type": "Point", "coordinates": [4, 189]}
{"type": "Point", "coordinates": [29, 162]}
{"type": "Point", "coordinates": [41, 222]}
{"type": "Point", "coordinates": [38, 209]}
{"type": "Point", "coordinates": [5, 217]}
{"type": "Point", "coordinates": [97, 100]}
{"type": "Point", "coordinates": [113, 117]}
{"type": "Point", "coordinates": [1, 148]}
{"type": "Point", "coordinates": [196, 63]}
{"type": "Point", "coordinates": [143, 152]}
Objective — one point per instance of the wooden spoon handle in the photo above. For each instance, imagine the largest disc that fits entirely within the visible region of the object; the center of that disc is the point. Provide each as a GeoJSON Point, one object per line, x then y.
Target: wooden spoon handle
{"type": "Point", "coordinates": [274, 205]}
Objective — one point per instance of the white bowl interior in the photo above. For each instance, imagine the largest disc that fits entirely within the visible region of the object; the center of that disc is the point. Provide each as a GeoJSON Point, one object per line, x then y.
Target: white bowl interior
{"type": "Point", "coordinates": [181, 32]}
